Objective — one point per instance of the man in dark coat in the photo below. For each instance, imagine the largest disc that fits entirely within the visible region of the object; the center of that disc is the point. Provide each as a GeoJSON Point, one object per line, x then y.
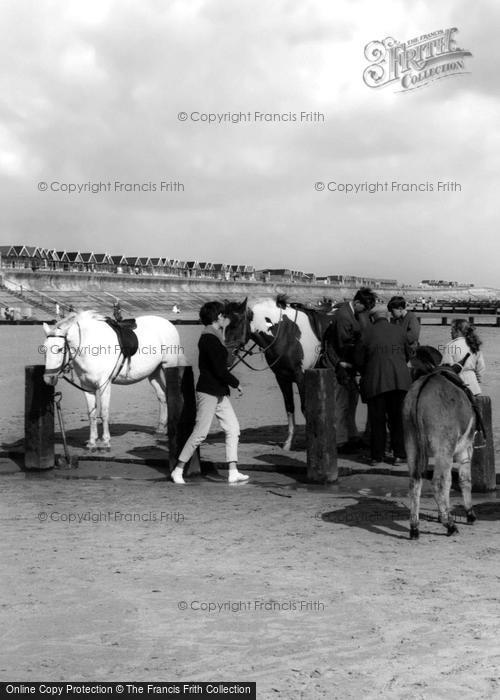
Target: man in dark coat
{"type": "Point", "coordinates": [382, 358]}
{"type": "Point", "coordinates": [344, 334]}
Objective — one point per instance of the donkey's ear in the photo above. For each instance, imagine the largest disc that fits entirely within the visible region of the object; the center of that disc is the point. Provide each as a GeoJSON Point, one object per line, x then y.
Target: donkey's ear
{"type": "Point", "coordinates": [47, 328]}
{"type": "Point", "coordinates": [243, 304]}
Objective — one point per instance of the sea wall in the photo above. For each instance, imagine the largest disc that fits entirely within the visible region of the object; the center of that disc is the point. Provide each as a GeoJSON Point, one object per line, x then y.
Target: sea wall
{"type": "Point", "coordinates": [116, 283]}
{"type": "Point", "coordinates": [46, 282]}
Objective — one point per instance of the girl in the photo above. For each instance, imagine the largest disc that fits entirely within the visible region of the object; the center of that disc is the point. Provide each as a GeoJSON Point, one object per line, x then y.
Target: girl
{"type": "Point", "coordinates": [463, 349]}
{"type": "Point", "coordinates": [212, 395]}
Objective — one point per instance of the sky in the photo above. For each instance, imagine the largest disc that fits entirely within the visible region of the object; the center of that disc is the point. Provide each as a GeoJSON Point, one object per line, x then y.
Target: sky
{"type": "Point", "coordinates": [116, 92]}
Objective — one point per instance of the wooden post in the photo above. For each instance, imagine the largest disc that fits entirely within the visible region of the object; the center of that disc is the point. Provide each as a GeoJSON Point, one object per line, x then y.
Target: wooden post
{"type": "Point", "coordinates": [444, 321]}
{"type": "Point", "coordinates": [38, 420]}
{"type": "Point", "coordinates": [181, 405]}
{"type": "Point", "coordinates": [483, 458]}
{"type": "Point", "coordinates": [320, 425]}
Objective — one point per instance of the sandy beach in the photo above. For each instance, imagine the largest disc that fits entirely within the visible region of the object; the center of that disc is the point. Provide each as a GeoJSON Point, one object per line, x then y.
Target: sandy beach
{"type": "Point", "coordinates": [112, 572]}
{"type": "Point", "coordinates": [310, 592]}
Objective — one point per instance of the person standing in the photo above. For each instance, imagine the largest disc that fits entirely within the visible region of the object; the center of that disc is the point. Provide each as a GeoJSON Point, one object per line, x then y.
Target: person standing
{"type": "Point", "coordinates": [382, 357]}
{"type": "Point", "coordinates": [344, 334]}
{"type": "Point", "coordinates": [463, 350]}
{"type": "Point", "coordinates": [212, 395]}
{"type": "Point", "coordinates": [406, 320]}
{"type": "Point", "coordinates": [117, 311]}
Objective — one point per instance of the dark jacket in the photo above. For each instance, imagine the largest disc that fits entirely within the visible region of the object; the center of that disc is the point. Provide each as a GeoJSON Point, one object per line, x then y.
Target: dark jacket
{"type": "Point", "coordinates": [215, 378]}
{"type": "Point", "coordinates": [381, 358]}
{"type": "Point", "coordinates": [410, 325]}
{"type": "Point", "coordinates": [345, 332]}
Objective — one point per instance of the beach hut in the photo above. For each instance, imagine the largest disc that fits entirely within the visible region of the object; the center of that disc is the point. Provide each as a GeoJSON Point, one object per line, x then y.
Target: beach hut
{"type": "Point", "coordinates": [88, 262]}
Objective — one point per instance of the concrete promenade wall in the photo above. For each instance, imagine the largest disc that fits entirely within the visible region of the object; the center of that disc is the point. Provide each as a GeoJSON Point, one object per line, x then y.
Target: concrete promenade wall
{"type": "Point", "coordinates": [115, 283]}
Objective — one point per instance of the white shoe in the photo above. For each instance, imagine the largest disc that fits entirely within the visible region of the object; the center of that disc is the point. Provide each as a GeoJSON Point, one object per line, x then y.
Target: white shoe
{"type": "Point", "coordinates": [176, 477]}
{"type": "Point", "coordinates": [236, 477]}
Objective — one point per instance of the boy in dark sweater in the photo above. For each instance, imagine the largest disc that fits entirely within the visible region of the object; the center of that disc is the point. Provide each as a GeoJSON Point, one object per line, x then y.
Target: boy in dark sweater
{"type": "Point", "coordinates": [212, 395]}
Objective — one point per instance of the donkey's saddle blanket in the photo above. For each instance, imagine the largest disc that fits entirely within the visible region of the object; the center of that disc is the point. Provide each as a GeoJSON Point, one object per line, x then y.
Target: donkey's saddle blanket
{"type": "Point", "coordinates": [128, 340]}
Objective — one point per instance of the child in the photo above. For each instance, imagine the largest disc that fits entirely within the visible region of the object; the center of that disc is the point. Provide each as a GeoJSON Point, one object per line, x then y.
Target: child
{"type": "Point", "coordinates": [212, 395]}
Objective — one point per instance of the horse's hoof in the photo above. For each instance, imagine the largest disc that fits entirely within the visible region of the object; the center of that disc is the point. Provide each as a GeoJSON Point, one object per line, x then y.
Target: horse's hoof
{"type": "Point", "coordinates": [451, 529]}
{"type": "Point", "coordinates": [414, 532]}
{"type": "Point", "coordinates": [471, 516]}
{"type": "Point", "coordinates": [91, 447]}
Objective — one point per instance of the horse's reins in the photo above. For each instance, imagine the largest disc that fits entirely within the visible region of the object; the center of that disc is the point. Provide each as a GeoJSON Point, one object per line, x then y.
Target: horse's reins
{"type": "Point", "coordinates": [262, 351]}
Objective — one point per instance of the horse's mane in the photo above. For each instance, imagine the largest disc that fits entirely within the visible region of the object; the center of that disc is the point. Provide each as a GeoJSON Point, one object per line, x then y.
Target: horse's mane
{"type": "Point", "coordinates": [79, 317]}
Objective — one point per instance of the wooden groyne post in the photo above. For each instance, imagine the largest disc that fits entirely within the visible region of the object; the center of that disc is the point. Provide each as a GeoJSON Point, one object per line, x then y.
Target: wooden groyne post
{"type": "Point", "coordinates": [483, 473]}
{"type": "Point", "coordinates": [38, 420]}
{"type": "Point", "coordinates": [320, 425]}
{"type": "Point", "coordinates": [181, 405]}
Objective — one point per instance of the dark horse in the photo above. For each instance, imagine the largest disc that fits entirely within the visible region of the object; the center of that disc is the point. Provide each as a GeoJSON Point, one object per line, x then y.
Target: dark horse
{"type": "Point", "coordinates": [289, 335]}
{"type": "Point", "coordinates": [440, 421]}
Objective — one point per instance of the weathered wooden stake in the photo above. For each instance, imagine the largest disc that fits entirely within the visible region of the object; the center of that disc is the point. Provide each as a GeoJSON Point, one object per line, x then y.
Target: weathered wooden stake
{"type": "Point", "coordinates": [181, 405]}
{"type": "Point", "coordinates": [320, 425]}
{"type": "Point", "coordinates": [38, 420]}
{"type": "Point", "coordinates": [483, 458]}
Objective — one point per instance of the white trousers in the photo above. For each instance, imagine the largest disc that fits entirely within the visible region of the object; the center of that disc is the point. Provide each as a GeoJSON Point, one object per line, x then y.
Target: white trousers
{"type": "Point", "coordinates": [207, 407]}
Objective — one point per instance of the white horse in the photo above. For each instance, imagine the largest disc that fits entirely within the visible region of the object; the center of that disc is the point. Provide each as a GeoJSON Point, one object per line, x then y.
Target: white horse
{"type": "Point", "coordinates": [86, 345]}
{"type": "Point", "coordinates": [285, 335]}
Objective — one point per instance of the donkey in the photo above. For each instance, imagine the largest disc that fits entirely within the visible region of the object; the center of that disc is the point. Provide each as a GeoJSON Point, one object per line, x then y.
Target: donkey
{"type": "Point", "coordinates": [440, 420]}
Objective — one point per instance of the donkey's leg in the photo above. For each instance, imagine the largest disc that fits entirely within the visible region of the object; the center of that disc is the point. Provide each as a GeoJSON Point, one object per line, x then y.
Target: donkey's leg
{"type": "Point", "coordinates": [286, 387]}
{"type": "Point", "coordinates": [415, 490]}
{"type": "Point", "coordinates": [92, 411]}
{"type": "Point", "coordinates": [157, 381]}
{"type": "Point", "coordinates": [105, 396]}
{"type": "Point", "coordinates": [464, 477]}
{"type": "Point", "coordinates": [415, 485]}
{"type": "Point", "coordinates": [441, 483]}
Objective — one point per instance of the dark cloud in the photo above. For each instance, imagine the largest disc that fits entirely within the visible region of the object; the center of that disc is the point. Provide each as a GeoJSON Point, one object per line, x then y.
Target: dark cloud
{"type": "Point", "coordinates": [93, 92]}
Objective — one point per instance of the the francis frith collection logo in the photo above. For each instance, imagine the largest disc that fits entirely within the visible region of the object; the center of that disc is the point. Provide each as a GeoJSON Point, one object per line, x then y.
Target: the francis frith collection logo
{"type": "Point", "coordinates": [416, 62]}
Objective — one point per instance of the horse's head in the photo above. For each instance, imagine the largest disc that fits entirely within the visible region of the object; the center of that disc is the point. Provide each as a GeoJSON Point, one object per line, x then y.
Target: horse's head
{"type": "Point", "coordinates": [55, 349]}
{"type": "Point", "coordinates": [237, 331]}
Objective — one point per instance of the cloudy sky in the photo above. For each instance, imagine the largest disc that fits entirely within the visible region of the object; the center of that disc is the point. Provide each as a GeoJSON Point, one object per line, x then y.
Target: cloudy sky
{"type": "Point", "coordinates": [92, 91]}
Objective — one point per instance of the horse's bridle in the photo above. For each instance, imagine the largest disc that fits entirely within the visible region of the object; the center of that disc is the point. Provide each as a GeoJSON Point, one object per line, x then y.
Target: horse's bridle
{"type": "Point", "coordinates": [67, 364]}
{"type": "Point", "coordinates": [249, 335]}
{"type": "Point", "coordinates": [67, 361]}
